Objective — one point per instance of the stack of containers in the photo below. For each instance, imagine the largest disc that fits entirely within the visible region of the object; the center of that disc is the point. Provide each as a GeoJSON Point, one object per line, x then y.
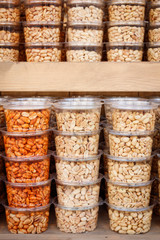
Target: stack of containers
{"type": "Point", "coordinates": [129, 166]}
{"type": "Point", "coordinates": [77, 162]}
{"type": "Point", "coordinates": [9, 30]}
{"type": "Point", "coordinates": [84, 30]}
{"type": "Point", "coordinates": [154, 32]}
{"type": "Point", "coordinates": [27, 162]}
{"type": "Point", "coordinates": [42, 30]}
{"type": "Point", "coordinates": [126, 30]}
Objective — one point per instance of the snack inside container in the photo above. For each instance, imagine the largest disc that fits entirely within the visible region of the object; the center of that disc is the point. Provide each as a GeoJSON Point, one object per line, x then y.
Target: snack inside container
{"type": "Point", "coordinates": [27, 220]}
{"type": "Point", "coordinates": [9, 32]}
{"type": "Point", "coordinates": [9, 52]}
{"type": "Point", "coordinates": [10, 11]}
{"type": "Point", "coordinates": [153, 52]}
{"type": "Point", "coordinates": [154, 32]}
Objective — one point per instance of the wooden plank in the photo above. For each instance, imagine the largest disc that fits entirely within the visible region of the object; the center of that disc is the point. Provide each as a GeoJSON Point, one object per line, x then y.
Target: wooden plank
{"type": "Point", "coordinates": [80, 77]}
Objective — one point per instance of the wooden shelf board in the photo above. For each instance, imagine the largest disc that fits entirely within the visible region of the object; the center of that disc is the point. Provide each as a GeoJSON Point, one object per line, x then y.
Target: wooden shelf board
{"type": "Point", "coordinates": [80, 77]}
{"type": "Point", "coordinates": [101, 233]}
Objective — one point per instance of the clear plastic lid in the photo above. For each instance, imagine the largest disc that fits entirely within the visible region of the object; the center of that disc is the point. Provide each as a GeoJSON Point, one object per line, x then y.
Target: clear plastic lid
{"type": "Point", "coordinates": [77, 104]}
{"type": "Point", "coordinates": [9, 24]}
{"type": "Point", "coordinates": [155, 99]}
{"type": "Point", "coordinates": [127, 2]}
{"type": "Point", "coordinates": [80, 133]}
{"type": "Point", "coordinates": [8, 45]}
{"type": "Point", "coordinates": [86, 24]}
{"type": "Point", "coordinates": [37, 209]}
{"type": "Point", "coordinates": [134, 105]}
{"type": "Point", "coordinates": [9, 2]}
{"type": "Point", "coordinates": [24, 134]}
{"type": "Point", "coordinates": [80, 98]}
{"type": "Point", "coordinates": [140, 184]}
{"type": "Point", "coordinates": [114, 99]}
{"type": "Point", "coordinates": [154, 25]}
{"type": "Point", "coordinates": [79, 183]}
{"type": "Point", "coordinates": [50, 2]}
{"type": "Point", "coordinates": [126, 23]}
{"type": "Point", "coordinates": [78, 159]}
{"type": "Point", "coordinates": [154, 4]}
{"type": "Point", "coordinates": [73, 44]}
{"type": "Point", "coordinates": [124, 44]}
{"type": "Point", "coordinates": [86, 2]}
{"type": "Point", "coordinates": [153, 45]}
{"type": "Point", "coordinates": [129, 134]}
{"type": "Point", "coordinates": [44, 45]}
{"type": "Point", "coordinates": [3, 100]}
{"type": "Point", "coordinates": [41, 24]}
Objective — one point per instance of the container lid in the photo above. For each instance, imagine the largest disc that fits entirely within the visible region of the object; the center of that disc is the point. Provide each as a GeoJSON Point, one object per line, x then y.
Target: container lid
{"type": "Point", "coordinates": [134, 105]}
{"type": "Point", "coordinates": [30, 2]}
{"type": "Point", "coordinates": [155, 99]}
{"type": "Point", "coordinates": [154, 25]}
{"type": "Point", "coordinates": [85, 24]}
{"type": "Point", "coordinates": [45, 45]}
{"type": "Point", "coordinates": [126, 23]}
{"type": "Point", "coordinates": [41, 23]}
{"type": "Point", "coordinates": [113, 99]}
{"type": "Point", "coordinates": [24, 134]}
{"type": "Point", "coordinates": [3, 100]}
{"type": "Point", "coordinates": [153, 45]}
{"type": "Point", "coordinates": [124, 184]}
{"type": "Point", "coordinates": [127, 2]}
{"type": "Point", "coordinates": [37, 209]}
{"type": "Point", "coordinates": [10, 2]}
{"type": "Point", "coordinates": [79, 44]}
{"type": "Point", "coordinates": [77, 105]}
{"type": "Point", "coordinates": [80, 133]}
{"type": "Point", "coordinates": [80, 98]}
{"type": "Point", "coordinates": [154, 3]}
{"type": "Point", "coordinates": [124, 44]}
{"type": "Point", "coordinates": [86, 2]}
{"type": "Point", "coordinates": [129, 134]}
{"type": "Point", "coordinates": [9, 24]}
{"type": "Point", "coordinates": [5, 45]}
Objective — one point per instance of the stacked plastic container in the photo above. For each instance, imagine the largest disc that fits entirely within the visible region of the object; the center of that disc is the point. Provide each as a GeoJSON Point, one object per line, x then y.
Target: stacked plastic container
{"type": "Point", "coordinates": [126, 30]}
{"type": "Point", "coordinates": [129, 166]}
{"type": "Point", "coordinates": [42, 30]}
{"type": "Point", "coordinates": [27, 163]}
{"type": "Point", "coordinates": [9, 30]}
{"type": "Point", "coordinates": [77, 161]}
{"type": "Point", "coordinates": [154, 32]}
{"type": "Point", "coordinates": [84, 30]}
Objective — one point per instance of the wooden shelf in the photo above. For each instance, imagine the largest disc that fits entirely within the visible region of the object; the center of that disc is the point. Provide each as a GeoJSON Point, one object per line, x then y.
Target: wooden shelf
{"type": "Point", "coordinates": [101, 233]}
{"type": "Point", "coordinates": [80, 77]}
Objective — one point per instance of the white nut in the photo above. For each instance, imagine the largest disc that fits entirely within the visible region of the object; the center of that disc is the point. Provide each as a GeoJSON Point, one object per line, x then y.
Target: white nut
{"type": "Point", "coordinates": [9, 37]}
{"type": "Point", "coordinates": [154, 35]}
{"type": "Point", "coordinates": [43, 55]}
{"type": "Point", "coordinates": [9, 55]}
{"type": "Point", "coordinates": [153, 54]}
{"type": "Point", "coordinates": [83, 56]}
{"type": "Point", "coordinates": [124, 55]}
{"type": "Point", "coordinates": [9, 14]}
{"type": "Point", "coordinates": [154, 15]}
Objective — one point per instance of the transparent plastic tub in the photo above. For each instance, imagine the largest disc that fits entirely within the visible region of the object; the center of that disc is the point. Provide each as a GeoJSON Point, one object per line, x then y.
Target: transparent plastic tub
{"type": "Point", "coordinates": [76, 220]}
{"type": "Point", "coordinates": [130, 144]}
{"type": "Point", "coordinates": [153, 52]}
{"type": "Point", "coordinates": [122, 52]}
{"type": "Point", "coordinates": [130, 221]}
{"type": "Point", "coordinates": [128, 32]}
{"type": "Point", "coordinates": [27, 220]}
{"type": "Point", "coordinates": [133, 116]}
{"type": "Point", "coordinates": [80, 144]}
{"type": "Point", "coordinates": [78, 194]}
{"type": "Point", "coordinates": [28, 144]}
{"type": "Point", "coordinates": [27, 170]}
{"type": "Point", "coordinates": [126, 10]}
{"type": "Point", "coordinates": [154, 32]}
{"type": "Point", "coordinates": [81, 33]}
{"type": "Point", "coordinates": [10, 11]}
{"type": "Point", "coordinates": [85, 11]}
{"type": "Point", "coordinates": [9, 52]}
{"type": "Point", "coordinates": [9, 32]}
{"type": "Point", "coordinates": [83, 52]}
{"type": "Point", "coordinates": [156, 100]}
{"type": "Point", "coordinates": [154, 12]}
{"type": "Point", "coordinates": [76, 116]}
{"type": "Point", "coordinates": [128, 195]}
{"type": "Point", "coordinates": [77, 169]}
{"type": "Point", "coordinates": [48, 10]}
{"type": "Point", "coordinates": [28, 195]}
{"type": "Point", "coordinates": [128, 170]}
{"type": "Point", "coordinates": [43, 52]}
{"type": "Point", "coordinates": [27, 115]}
{"type": "Point", "coordinates": [42, 32]}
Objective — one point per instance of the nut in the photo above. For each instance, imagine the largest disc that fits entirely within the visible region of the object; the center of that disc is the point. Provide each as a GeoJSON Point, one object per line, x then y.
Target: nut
{"type": "Point", "coordinates": [130, 146]}
{"type": "Point", "coordinates": [124, 55]}
{"type": "Point", "coordinates": [78, 196]}
{"type": "Point", "coordinates": [83, 56]}
{"type": "Point", "coordinates": [9, 14]}
{"type": "Point", "coordinates": [27, 171]}
{"type": "Point", "coordinates": [77, 146]}
{"type": "Point", "coordinates": [126, 12]}
{"type": "Point", "coordinates": [28, 196]}
{"type": "Point", "coordinates": [154, 35]}
{"type": "Point", "coordinates": [48, 13]}
{"type": "Point", "coordinates": [26, 146]}
{"type": "Point", "coordinates": [27, 222]}
{"type": "Point", "coordinates": [28, 120]}
{"type": "Point", "coordinates": [51, 54]}
{"type": "Point", "coordinates": [40, 34]}
{"type": "Point", "coordinates": [153, 54]}
{"type": "Point", "coordinates": [9, 36]}
{"type": "Point", "coordinates": [132, 120]}
{"type": "Point", "coordinates": [85, 14]}
{"type": "Point", "coordinates": [78, 221]}
{"type": "Point", "coordinates": [8, 54]}
{"type": "Point", "coordinates": [154, 15]}
{"type": "Point", "coordinates": [130, 222]}
{"type": "Point", "coordinates": [130, 34]}
{"type": "Point", "coordinates": [128, 197]}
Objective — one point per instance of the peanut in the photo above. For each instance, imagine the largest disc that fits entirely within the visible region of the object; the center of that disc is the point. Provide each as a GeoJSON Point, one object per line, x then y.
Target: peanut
{"type": "Point", "coordinates": [154, 34]}
{"type": "Point", "coordinates": [49, 54]}
{"type": "Point", "coordinates": [83, 55]}
{"type": "Point", "coordinates": [154, 14]}
{"type": "Point", "coordinates": [153, 54]}
{"type": "Point", "coordinates": [8, 54]}
{"type": "Point", "coordinates": [124, 55]}
{"type": "Point", "coordinates": [7, 36]}
{"type": "Point", "coordinates": [9, 14]}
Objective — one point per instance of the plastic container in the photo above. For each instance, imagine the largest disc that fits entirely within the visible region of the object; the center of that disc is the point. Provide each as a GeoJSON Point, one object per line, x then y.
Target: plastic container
{"type": "Point", "coordinates": [126, 10]}
{"type": "Point", "coordinates": [154, 12]}
{"type": "Point", "coordinates": [85, 11]}
{"type": "Point", "coordinates": [9, 52]}
{"type": "Point", "coordinates": [27, 115]}
{"type": "Point", "coordinates": [154, 32]}
{"type": "Point", "coordinates": [77, 169]}
{"type": "Point", "coordinates": [27, 170]}
{"type": "Point", "coordinates": [2, 116]}
{"type": "Point", "coordinates": [78, 115]}
{"type": "Point", "coordinates": [128, 195]}
{"type": "Point", "coordinates": [46, 52]}
{"type": "Point", "coordinates": [76, 220]}
{"type": "Point", "coordinates": [80, 144]}
{"type": "Point", "coordinates": [10, 11]}
{"type": "Point", "coordinates": [83, 52]}
{"type": "Point", "coordinates": [130, 221]}
{"type": "Point", "coordinates": [130, 144]}
{"type": "Point", "coordinates": [42, 32]}
{"type": "Point", "coordinates": [9, 32]}
{"type": "Point", "coordinates": [27, 220]}
{"type": "Point", "coordinates": [28, 195]}
{"type": "Point", "coordinates": [78, 194]}
{"type": "Point", "coordinates": [128, 170]}
{"type": "Point", "coordinates": [80, 33]}
{"type": "Point", "coordinates": [133, 116]}
{"type": "Point", "coordinates": [153, 52]}
{"type": "Point", "coordinates": [28, 144]}
{"type": "Point", "coordinates": [121, 52]}
{"type": "Point", "coordinates": [156, 100]}
{"type": "Point", "coordinates": [128, 32]}
{"type": "Point", "coordinates": [48, 10]}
